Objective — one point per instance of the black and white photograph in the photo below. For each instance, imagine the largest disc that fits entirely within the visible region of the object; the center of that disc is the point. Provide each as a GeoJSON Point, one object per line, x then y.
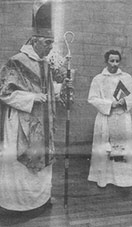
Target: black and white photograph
{"type": "Point", "coordinates": [65, 113]}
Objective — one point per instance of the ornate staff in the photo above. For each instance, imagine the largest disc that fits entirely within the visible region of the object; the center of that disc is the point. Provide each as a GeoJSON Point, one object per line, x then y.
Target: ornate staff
{"type": "Point", "coordinates": [68, 33]}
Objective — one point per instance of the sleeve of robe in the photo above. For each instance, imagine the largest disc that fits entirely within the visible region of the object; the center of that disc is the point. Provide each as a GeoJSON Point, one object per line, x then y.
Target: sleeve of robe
{"type": "Point", "coordinates": [96, 98]}
{"type": "Point", "coordinates": [128, 98]}
{"type": "Point", "coordinates": [17, 98]}
{"type": "Point", "coordinates": [21, 100]}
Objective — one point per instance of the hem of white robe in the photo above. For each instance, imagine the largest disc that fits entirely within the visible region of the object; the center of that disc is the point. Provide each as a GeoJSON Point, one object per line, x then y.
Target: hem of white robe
{"type": "Point", "coordinates": [104, 184]}
{"type": "Point", "coordinates": [46, 195]}
{"type": "Point", "coordinates": [27, 208]}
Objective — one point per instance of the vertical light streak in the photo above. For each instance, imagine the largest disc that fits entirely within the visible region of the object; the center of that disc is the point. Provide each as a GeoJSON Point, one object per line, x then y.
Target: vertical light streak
{"type": "Point", "coordinates": [58, 22]}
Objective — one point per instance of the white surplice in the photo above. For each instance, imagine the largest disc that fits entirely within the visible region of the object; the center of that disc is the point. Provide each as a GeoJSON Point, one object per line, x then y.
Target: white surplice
{"type": "Point", "coordinates": [108, 123]}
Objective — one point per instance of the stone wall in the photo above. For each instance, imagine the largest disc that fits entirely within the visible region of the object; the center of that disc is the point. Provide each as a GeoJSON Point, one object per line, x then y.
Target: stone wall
{"type": "Point", "coordinates": [98, 25]}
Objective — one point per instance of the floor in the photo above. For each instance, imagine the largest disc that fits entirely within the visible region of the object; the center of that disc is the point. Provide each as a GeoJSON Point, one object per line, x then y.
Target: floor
{"type": "Point", "coordinates": [88, 205]}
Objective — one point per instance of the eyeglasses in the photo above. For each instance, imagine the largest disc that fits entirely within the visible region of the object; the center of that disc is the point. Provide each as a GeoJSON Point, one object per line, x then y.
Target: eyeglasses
{"type": "Point", "coordinates": [49, 41]}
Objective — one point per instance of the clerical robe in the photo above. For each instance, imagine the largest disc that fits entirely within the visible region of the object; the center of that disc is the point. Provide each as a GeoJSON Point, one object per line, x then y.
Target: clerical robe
{"type": "Point", "coordinates": [112, 131]}
{"type": "Point", "coordinates": [25, 175]}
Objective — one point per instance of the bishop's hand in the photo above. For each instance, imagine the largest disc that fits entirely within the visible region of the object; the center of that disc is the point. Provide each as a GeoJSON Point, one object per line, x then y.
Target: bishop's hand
{"type": "Point", "coordinates": [40, 97]}
{"type": "Point", "coordinates": [68, 82]}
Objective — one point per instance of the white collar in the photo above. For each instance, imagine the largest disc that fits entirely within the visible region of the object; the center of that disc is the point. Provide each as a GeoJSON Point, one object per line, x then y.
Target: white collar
{"type": "Point", "coordinates": [28, 49]}
{"type": "Point", "coordinates": [105, 72]}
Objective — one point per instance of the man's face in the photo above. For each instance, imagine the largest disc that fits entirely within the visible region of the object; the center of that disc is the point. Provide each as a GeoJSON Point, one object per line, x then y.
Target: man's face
{"type": "Point", "coordinates": [113, 63]}
{"type": "Point", "coordinates": [43, 46]}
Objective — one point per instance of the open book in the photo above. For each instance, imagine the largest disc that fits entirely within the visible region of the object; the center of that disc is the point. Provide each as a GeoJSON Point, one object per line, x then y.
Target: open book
{"type": "Point", "coordinates": [121, 91]}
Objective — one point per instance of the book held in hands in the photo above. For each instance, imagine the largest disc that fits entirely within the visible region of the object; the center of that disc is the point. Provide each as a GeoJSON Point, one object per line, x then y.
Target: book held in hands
{"type": "Point", "coordinates": [121, 91]}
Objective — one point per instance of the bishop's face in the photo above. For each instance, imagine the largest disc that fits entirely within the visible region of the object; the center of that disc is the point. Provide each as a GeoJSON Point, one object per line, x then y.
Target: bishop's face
{"type": "Point", "coordinates": [113, 63]}
{"type": "Point", "coordinates": [43, 46]}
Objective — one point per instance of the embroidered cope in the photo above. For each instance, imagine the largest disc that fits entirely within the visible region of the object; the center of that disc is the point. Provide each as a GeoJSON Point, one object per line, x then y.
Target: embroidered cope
{"type": "Point", "coordinates": [26, 160]}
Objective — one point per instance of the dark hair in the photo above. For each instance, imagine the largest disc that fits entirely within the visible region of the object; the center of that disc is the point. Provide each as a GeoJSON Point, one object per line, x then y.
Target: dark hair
{"type": "Point", "coordinates": [113, 52]}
